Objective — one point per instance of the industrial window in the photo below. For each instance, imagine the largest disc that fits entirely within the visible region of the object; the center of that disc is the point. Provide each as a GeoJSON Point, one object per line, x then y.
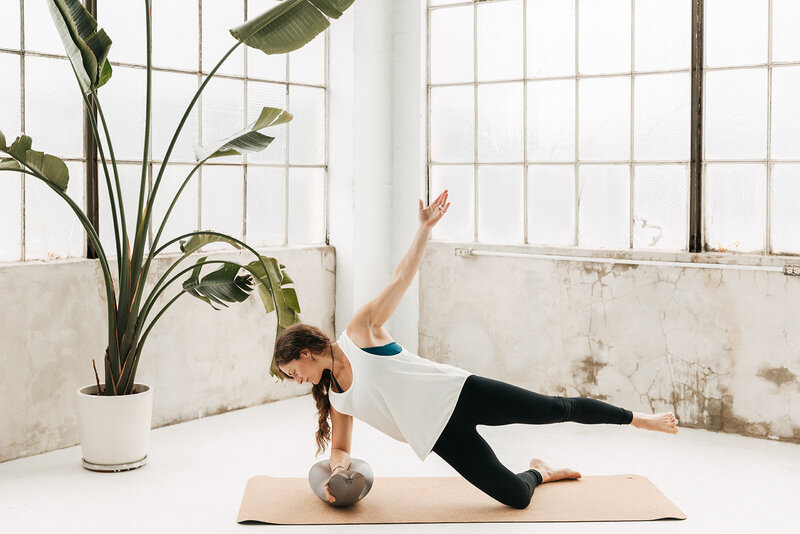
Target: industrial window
{"type": "Point", "coordinates": [570, 123]}
{"type": "Point", "coordinates": [272, 198]}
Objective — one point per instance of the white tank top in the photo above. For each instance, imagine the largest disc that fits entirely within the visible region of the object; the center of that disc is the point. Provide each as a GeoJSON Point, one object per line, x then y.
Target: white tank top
{"type": "Point", "coordinates": [403, 395]}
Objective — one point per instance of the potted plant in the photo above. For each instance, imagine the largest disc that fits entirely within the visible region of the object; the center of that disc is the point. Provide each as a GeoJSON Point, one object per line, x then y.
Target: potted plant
{"type": "Point", "coordinates": [115, 416]}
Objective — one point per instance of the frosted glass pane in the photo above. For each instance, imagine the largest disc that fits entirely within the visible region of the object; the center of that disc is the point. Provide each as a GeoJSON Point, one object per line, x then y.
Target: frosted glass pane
{"type": "Point", "coordinates": [661, 207]}
{"type": "Point", "coordinates": [40, 31]}
{"type": "Point", "coordinates": [307, 129]}
{"type": "Point", "coordinates": [10, 108]}
{"type": "Point", "coordinates": [266, 209]}
{"type": "Point", "coordinates": [500, 118]}
{"type": "Point", "coordinates": [130, 181]}
{"type": "Point", "coordinates": [125, 23]}
{"type": "Point", "coordinates": [259, 96]}
{"type": "Point", "coordinates": [223, 111]}
{"type": "Point", "coordinates": [735, 211]}
{"type": "Point", "coordinates": [500, 198]}
{"type": "Point", "coordinates": [663, 35]}
{"type": "Point", "coordinates": [500, 40]}
{"type": "Point", "coordinates": [785, 34]}
{"type": "Point", "coordinates": [551, 120]}
{"type": "Point", "coordinates": [604, 39]}
{"type": "Point", "coordinates": [51, 228]}
{"type": "Point", "coordinates": [785, 113]}
{"type": "Point", "coordinates": [661, 116]}
{"type": "Point", "coordinates": [306, 206]}
{"type": "Point", "coordinates": [604, 120]}
{"type": "Point", "coordinates": [736, 32]}
{"type": "Point", "coordinates": [183, 218]}
{"type": "Point", "coordinates": [785, 217]}
{"type": "Point", "coordinates": [307, 64]}
{"type": "Point", "coordinates": [171, 18]}
{"type": "Point", "coordinates": [452, 124]}
{"type": "Point", "coordinates": [604, 206]}
{"type": "Point", "coordinates": [452, 53]}
{"type": "Point", "coordinates": [9, 26]}
{"type": "Point", "coordinates": [551, 38]}
{"type": "Point", "coordinates": [736, 114]}
{"type": "Point", "coordinates": [172, 92]}
{"type": "Point", "coordinates": [259, 64]}
{"type": "Point", "coordinates": [219, 16]}
{"type": "Point", "coordinates": [10, 216]}
{"type": "Point", "coordinates": [458, 223]}
{"type": "Point", "coordinates": [551, 204]}
{"type": "Point", "coordinates": [223, 201]}
{"type": "Point", "coordinates": [53, 107]}
{"type": "Point", "coordinates": [123, 101]}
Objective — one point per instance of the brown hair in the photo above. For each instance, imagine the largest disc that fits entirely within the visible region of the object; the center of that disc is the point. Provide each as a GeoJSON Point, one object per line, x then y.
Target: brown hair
{"type": "Point", "coordinates": [288, 346]}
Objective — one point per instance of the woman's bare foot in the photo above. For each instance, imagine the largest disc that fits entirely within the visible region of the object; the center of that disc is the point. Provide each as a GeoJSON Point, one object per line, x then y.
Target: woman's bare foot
{"type": "Point", "coordinates": [663, 422]}
{"type": "Point", "coordinates": [550, 474]}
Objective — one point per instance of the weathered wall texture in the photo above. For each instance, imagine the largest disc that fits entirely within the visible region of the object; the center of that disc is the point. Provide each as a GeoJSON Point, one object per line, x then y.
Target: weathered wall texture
{"type": "Point", "coordinates": [199, 361]}
{"type": "Point", "coordinates": [719, 348]}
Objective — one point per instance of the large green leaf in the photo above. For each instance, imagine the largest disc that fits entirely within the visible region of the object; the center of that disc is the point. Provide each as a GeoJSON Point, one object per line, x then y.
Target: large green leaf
{"type": "Point", "coordinates": [289, 25]}
{"type": "Point", "coordinates": [86, 47]}
{"type": "Point", "coordinates": [270, 283]}
{"type": "Point", "coordinates": [220, 286]}
{"type": "Point", "coordinates": [247, 140]}
{"type": "Point", "coordinates": [52, 168]}
{"type": "Point", "coordinates": [196, 242]}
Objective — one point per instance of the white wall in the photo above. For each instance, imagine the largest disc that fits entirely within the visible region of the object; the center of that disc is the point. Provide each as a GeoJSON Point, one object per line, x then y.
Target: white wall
{"type": "Point", "coordinates": [198, 361]}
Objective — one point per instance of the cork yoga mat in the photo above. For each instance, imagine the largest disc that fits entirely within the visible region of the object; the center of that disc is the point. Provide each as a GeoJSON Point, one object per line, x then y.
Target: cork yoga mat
{"type": "Point", "coordinates": [290, 501]}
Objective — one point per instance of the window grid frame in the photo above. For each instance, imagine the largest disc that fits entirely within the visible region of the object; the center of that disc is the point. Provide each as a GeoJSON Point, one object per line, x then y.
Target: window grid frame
{"type": "Point", "coordinates": [695, 240]}
{"type": "Point", "coordinates": [91, 160]}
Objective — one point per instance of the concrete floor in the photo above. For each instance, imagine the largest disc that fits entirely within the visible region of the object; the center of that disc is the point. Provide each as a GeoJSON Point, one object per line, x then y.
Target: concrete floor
{"type": "Point", "coordinates": [197, 473]}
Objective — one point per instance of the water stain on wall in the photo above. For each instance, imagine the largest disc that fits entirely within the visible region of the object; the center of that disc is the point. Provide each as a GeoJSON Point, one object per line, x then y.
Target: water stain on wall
{"type": "Point", "coordinates": [777, 375]}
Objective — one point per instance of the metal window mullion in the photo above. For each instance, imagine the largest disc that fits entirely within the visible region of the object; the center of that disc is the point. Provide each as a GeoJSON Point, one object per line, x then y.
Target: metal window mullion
{"type": "Point", "coordinates": [475, 118]}
{"type": "Point", "coordinates": [286, 171]}
{"type": "Point", "coordinates": [576, 180]}
{"type": "Point", "coordinates": [631, 184]}
{"type": "Point", "coordinates": [581, 76]}
{"type": "Point", "coordinates": [768, 215]}
{"type": "Point", "coordinates": [200, 110]}
{"type": "Point", "coordinates": [696, 192]}
{"type": "Point", "coordinates": [428, 105]}
{"type": "Point", "coordinates": [524, 121]}
{"type": "Point", "coordinates": [325, 195]}
{"type": "Point", "coordinates": [244, 157]}
{"type": "Point", "coordinates": [22, 251]}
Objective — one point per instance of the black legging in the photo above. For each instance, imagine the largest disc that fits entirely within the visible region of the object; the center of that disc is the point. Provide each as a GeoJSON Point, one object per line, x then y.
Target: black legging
{"type": "Point", "coordinates": [484, 401]}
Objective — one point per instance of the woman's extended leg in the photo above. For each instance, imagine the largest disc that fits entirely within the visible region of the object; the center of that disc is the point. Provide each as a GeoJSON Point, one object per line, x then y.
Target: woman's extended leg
{"type": "Point", "coordinates": [485, 401]}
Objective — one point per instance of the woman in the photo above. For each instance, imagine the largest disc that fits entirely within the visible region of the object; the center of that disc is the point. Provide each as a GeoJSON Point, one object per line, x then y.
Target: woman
{"type": "Point", "coordinates": [433, 407]}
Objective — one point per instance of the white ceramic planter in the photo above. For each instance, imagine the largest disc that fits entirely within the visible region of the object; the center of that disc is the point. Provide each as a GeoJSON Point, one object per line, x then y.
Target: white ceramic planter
{"type": "Point", "coordinates": [115, 430]}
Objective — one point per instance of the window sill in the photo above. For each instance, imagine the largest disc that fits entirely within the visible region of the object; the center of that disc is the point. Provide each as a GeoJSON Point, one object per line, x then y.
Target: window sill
{"type": "Point", "coordinates": [718, 258]}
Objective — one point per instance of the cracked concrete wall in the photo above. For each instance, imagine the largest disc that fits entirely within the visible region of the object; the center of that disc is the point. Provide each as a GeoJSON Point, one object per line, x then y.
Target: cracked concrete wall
{"type": "Point", "coordinates": [199, 361]}
{"type": "Point", "coordinates": [719, 348]}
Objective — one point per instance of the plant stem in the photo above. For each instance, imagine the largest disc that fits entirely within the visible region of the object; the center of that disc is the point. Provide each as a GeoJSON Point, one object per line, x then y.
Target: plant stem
{"type": "Point", "coordinates": [137, 353]}
{"type": "Point", "coordinates": [128, 300]}
{"type": "Point", "coordinates": [110, 191]}
{"type": "Point", "coordinates": [116, 178]}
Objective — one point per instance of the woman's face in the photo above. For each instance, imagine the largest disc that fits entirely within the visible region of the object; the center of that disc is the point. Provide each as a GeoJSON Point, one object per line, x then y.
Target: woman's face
{"type": "Point", "coordinates": [302, 369]}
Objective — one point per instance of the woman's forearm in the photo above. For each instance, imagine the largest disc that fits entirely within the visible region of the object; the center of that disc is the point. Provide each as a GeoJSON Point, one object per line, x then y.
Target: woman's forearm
{"type": "Point", "coordinates": [339, 457]}
{"type": "Point", "coordinates": [408, 266]}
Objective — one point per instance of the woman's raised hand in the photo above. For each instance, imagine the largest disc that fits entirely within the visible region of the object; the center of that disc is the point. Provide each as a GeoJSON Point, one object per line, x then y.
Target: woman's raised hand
{"type": "Point", "coordinates": [429, 216]}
